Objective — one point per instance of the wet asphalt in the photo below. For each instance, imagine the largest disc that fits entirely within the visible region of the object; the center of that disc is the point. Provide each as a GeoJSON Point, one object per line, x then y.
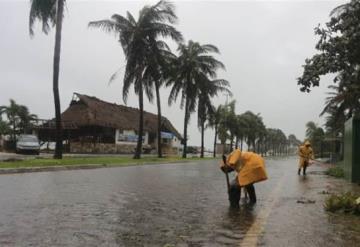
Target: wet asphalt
{"type": "Point", "coordinates": [171, 205]}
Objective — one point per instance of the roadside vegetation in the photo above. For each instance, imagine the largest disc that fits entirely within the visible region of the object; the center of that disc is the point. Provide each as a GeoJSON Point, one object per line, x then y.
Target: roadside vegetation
{"type": "Point", "coordinates": [338, 54]}
{"type": "Point", "coordinates": [104, 161]}
{"type": "Point", "coordinates": [348, 203]}
{"type": "Point", "coordinates": [18, 120]}
{"type": "Point", "coordinates": [336, 171]}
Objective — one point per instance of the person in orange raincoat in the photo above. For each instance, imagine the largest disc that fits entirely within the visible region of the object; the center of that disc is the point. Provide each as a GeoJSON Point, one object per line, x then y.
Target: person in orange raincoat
{"type": "Point", "coordinates": [250, 168]}
{"type": "Point", "coordinates": [306, 154]}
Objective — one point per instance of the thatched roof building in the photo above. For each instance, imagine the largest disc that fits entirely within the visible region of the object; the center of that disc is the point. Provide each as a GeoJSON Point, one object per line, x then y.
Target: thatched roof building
{"type": "Point", "coordinates": [101, 122]}
{"type": "Point", "coordinates": [88, 110]}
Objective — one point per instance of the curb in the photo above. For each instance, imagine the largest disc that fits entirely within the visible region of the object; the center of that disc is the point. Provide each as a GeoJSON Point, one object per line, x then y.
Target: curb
{"type": "Point", "coordinates": [79, 167]}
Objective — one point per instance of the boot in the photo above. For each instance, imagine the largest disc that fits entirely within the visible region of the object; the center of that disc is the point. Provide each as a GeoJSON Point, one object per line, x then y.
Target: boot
{"type": "Point", "coordinates": [299, 170]}
{"type": "Point", "coordinates": [234, 194]}
{"type": "Point", "coordinates": [304, 171]}
{"type": "Point", "coordinates": [251, 191]}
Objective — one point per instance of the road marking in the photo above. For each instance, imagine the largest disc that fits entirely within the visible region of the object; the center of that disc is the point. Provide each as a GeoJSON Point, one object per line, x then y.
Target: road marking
{"type": "Point", "coordinates": [252, 235]}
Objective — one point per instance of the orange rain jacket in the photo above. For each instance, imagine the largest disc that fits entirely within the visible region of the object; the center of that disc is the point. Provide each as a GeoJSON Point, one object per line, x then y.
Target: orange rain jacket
{"type": "Point", "coordinates": [306, 153]}
{"type": "Point", "coordinates": [249, 166]}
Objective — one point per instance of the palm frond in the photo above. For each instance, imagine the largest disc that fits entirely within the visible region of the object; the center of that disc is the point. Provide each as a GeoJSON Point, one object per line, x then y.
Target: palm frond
{"type": "Point", "coordinates": [45, 12]}
{"type": "Point", "coordinates": [106, 25]}
{"type": "Point", "coordinates": [339, 9]}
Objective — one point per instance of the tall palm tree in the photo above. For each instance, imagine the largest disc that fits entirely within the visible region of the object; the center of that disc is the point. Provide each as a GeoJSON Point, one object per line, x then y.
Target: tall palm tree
{"type": "Point", "coordinates": [159, 68]}
{"type": "Point", "coordinates": [51, 13]}
{"type": "Point", "coordinates": [207, 90]}
{"type": "Point", "coordinates": [137, 38]}
{"type": "Point", "coordinates": [193, 62]}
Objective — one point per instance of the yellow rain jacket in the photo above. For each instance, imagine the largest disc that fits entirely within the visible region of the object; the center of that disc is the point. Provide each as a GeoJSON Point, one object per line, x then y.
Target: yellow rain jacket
{"type": "Point", "coordinates": [305, 153]}
{"type": "Point", "coordinates": [249, 166]}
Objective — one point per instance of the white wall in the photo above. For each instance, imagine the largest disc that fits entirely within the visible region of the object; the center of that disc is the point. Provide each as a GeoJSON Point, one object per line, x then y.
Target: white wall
{"type": "Point", "coordinates": [129, 132]}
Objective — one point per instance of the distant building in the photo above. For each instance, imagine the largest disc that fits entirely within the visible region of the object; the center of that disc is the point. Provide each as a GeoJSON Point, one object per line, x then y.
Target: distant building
{"type": "Point", "coordinates": [91, 125]}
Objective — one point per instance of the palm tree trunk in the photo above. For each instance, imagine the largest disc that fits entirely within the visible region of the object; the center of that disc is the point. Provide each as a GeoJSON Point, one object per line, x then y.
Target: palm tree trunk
{"type": "Point", "coordinates": [185, 127]}
{"type": "Point", "coordinates": [236, 142]}
{"type": "Point", "coordinates": [202, 139]}
{"type": "Point", "coordinates": [14, 130]}
{"type": "Point", "coordinates": [141, 123]}
{"type": "Point", "coordinates": [241, 143]}
{"type": "Point", "coordinates": [56, 68]}
{"type": "Point", "coordinates": [214, 152]}
{"type": "Point", "coordinates": [159, 119]}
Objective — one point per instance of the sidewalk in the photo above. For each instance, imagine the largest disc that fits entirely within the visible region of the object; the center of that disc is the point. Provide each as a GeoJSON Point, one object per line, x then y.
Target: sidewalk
{"type": "Point", "coordinates": [295, 215]}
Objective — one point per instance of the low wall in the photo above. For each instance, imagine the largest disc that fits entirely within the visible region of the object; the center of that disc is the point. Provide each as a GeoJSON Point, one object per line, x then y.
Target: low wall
{"type": "Point", "coordinates": [111, 148]}
{"type": "Point", "coordinates": [169, 150]}
{"type": "Point", "coordinates": [102, 148]}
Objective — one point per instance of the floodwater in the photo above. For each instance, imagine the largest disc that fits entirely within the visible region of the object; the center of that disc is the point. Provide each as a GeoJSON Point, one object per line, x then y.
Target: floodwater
{"type": "Point", "coordinates": [170, 205]}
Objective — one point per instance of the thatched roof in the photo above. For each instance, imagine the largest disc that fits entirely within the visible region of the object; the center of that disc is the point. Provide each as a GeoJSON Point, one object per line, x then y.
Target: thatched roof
{"type": "Point", "coordinates": [90, 111]}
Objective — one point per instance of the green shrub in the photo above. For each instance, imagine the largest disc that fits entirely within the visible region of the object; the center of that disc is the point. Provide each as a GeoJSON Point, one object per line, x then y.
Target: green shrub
{"type": "Point", "coordinates": [346, 203]}
{"type": "Point", "coordinates": [336, 171]}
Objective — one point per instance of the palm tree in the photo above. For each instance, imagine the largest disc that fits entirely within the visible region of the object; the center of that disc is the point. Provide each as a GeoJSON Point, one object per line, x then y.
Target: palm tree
{"type": "Point", "coordinates": [215, 118]}
{"type": "Point", "coordinates": [341, 105]}
{"type": "Point", "coordinates": [4, 127]}
{"type": "Point", "coordinates": [193, 62]}
{"type": "Point", "coordinates": [25, 119]}
{"type": "Point", "coordinates": [227, 125]}
{"type": "Point", "coordinates": [242, 129]}
{"type": "Point", "coordinates": [207, 90]}
{"type": "Point", "coordinates": [51, 13]}
{"type": "Point", "coordinates": [316, 135]}
{"type": "Point", "coordinates": [19, 118]}
{"type": "Point", "coordinates": [161, 59]}
{"type": "Point", "coordinates": [311, 128]}
{"type": "Point", "coordinates": [12, 113]}
{"type": "Point", "coordinates": [138, 38]}
{"type": "Point", "coordinates": [293, 143]}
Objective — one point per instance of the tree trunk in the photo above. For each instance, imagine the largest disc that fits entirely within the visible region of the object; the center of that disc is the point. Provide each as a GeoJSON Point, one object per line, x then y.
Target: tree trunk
{"type": "Point", "coordinates": [14, 131]}
{"type": "Point", "coordinates": [231, 142]}
{"type": "Point", "coordinates": [141, 123]}
{"type": "Point", "coordinates": [241, 143]}
{"type": "Point", "coordinates": [56, 68]}
{"type": "Point", "coordinates": [159, 119]}
{"type": "Point", "coordinates": [202, 139]}
{"type": "Point", "coordinates": [214, 153]}
{"type": "Point", "coordinates": [185, 127]}
{"type": "Point", "coordinates": [236, 142]}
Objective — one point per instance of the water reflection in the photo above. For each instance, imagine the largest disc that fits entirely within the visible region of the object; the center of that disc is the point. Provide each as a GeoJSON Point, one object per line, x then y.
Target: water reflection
{"type": "Point", "coordinates": [174, 205]}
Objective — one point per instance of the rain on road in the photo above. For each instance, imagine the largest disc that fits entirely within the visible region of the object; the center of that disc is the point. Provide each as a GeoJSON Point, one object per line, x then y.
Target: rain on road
{"type": "Point", "coordinates": [169, 205]}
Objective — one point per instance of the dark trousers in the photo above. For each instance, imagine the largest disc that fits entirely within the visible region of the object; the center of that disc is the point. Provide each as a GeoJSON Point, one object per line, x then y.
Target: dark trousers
{"type": "Point", "coordinates": [235, 193]}
{"type": "Point", "coordinates": [306, 164]}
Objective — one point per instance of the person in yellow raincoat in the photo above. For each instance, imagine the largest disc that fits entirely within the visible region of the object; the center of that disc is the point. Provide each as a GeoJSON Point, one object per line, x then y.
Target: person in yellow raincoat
{"type": "Point", "coordinates": [250, 168]}
{"type": "Point", "coordinates": [306, 154]}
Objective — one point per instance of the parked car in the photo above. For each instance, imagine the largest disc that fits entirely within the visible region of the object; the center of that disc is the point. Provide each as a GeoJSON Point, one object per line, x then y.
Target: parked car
{"type": "Point", "coordinates": [28, 143]}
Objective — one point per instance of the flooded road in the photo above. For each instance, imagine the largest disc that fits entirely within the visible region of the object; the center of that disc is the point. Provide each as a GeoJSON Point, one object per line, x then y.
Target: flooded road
{"type": "Point", "coordinates": [170, 205]}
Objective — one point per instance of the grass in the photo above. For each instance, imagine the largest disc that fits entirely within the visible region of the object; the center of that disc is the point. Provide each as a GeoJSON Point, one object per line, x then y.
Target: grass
{"type": "Point", "coordinates": [336, 171]}
{"type": "Point", "coordinates": [345, 203]}
{"type": "Point", "coordinates": [108, 161]}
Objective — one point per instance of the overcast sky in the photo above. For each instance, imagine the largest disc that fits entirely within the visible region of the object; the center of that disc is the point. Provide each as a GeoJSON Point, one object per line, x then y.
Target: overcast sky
{"type": "Point", "coordinates": [263, 45]}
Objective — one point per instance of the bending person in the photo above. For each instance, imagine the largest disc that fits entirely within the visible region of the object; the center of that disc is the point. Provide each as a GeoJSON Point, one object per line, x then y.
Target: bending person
{"type": "Point", "coordinates": [250, 169]}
